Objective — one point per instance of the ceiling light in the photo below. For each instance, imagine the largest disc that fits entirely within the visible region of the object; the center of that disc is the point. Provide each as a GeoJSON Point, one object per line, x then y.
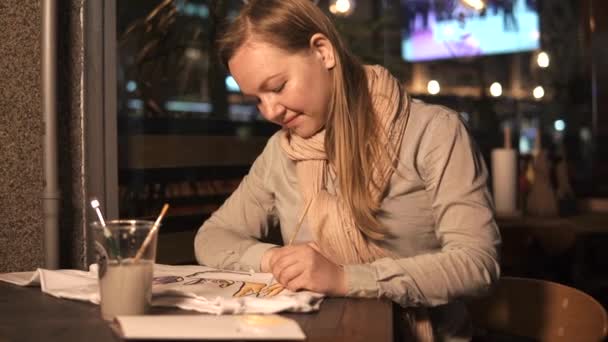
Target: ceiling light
{"type": "Point", "coordinates": [538, 92]}
{"type": "Point", "coordinates": [342, 7]}
{"type": "Point", "coordinates": [433, 87]}
{"type": "Point", "coordinates": [542, 59]}
{"type": "Point", "coordinates": [477, 5]}
{"type": "Point", "coordinates": [496, 89]}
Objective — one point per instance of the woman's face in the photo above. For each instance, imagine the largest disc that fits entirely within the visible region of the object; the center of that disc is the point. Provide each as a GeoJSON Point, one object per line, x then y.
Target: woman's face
{"type": "Point", "coordinates": [293, 90]}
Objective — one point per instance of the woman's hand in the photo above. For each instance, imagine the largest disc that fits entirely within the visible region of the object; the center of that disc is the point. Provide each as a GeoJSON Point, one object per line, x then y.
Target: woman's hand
{"type": "Point", "coordinates": [303, 267]}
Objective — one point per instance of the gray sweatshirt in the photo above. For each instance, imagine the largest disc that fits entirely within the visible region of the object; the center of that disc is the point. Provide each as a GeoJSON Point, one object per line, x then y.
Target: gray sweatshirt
{"type": "Point", "coordinates": [438, 212]}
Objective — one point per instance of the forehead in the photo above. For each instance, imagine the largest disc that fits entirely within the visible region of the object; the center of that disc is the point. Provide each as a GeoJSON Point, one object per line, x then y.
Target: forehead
{"type": "Point", "coordinates": [254, 55]}
{"type": "Point", "coordinates": [258, 46]}
{"type": "Point", "coordinates": [255, 61]}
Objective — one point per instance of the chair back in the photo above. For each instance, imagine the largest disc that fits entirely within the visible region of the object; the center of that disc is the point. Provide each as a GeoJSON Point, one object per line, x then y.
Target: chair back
{"type": "Point", "coordinates": [540, 310]}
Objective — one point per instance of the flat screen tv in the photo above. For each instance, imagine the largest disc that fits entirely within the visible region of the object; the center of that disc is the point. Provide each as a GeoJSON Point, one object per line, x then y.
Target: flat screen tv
{"type": "Point", "coordinates": [438, 29]}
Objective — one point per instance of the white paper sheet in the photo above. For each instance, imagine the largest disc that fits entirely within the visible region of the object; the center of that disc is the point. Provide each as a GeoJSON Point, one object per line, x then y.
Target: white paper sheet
{"type": "Point", "coordinates": [241, 327]}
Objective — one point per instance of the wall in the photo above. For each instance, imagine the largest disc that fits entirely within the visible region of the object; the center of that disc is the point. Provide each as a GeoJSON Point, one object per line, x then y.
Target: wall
{"type": "Point", "coordinates": [21, 129]}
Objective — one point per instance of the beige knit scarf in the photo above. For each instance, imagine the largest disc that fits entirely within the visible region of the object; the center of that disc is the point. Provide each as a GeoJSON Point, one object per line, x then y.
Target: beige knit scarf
{"type": "Point", "coordinates": [329, 218]}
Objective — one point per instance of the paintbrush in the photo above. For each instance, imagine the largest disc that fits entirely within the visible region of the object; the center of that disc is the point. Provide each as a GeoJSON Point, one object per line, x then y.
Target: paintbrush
{"type": "Point", "coordinates": [106, 231]}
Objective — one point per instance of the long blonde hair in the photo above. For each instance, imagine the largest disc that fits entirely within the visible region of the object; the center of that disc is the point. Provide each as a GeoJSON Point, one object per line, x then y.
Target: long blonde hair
{"type": "Point", "coordinates": [351, 142]}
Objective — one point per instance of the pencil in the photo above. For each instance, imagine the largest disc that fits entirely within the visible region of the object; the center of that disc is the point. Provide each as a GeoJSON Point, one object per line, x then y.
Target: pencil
{"type": "Point", "coordinates": [295, 233]}
{"type": "Point", "coordinates": [299, 224]}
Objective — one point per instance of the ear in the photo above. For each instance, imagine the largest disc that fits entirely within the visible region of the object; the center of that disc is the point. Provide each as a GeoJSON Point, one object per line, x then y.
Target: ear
{"type": "Point", "coordinates": [324, 49]}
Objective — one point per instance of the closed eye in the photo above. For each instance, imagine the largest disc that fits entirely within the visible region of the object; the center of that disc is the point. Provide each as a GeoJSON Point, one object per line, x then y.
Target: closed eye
{"type": "Point", "coordinates": [279, 88]}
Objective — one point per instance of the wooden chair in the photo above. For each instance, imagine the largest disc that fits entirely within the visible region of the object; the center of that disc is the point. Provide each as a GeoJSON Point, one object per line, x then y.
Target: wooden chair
{"type": "Point", "coordinates": [538, 310]}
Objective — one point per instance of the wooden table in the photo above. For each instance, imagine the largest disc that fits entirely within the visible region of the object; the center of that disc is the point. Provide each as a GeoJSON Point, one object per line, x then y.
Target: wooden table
{"type": "Point", "coordinates": [27, 314]}
{"type": "Point", "coordinates": [585, 222]}
{"type": "Point", "coordinates": [555, 234]}
{"type": "Point", "coordinates": [567, 250]}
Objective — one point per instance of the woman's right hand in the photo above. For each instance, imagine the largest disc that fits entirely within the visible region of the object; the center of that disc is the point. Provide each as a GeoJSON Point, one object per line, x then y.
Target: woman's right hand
{"type": "Point", "coordinates": [304, 267]}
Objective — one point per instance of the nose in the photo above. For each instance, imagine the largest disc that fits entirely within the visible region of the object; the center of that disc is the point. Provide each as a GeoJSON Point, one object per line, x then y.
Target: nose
{"type": "Point", "coordinates": [271, 109]}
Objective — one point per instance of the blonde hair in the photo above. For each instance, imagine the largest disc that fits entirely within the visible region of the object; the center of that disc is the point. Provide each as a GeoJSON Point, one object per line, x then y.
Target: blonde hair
{"type": "Point", "coordinates": [351, 142]}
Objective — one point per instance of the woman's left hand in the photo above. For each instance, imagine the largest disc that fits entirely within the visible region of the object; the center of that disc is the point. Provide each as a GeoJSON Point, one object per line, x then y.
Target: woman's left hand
{"type": "Point", "coordinates": [303, 267]}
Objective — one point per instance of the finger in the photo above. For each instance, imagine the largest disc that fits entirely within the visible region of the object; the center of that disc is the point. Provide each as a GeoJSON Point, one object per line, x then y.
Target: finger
{"type": "Point", "coordinates": [290, 272]}
{"type": "Point", "coordinates": [296, 284]}
{"type": "Point", "coordinates": [279, 254]}
{"type": "Point", "coordinates": [285, 252]}
{"type": "Point", "coordinates": [284, 262]}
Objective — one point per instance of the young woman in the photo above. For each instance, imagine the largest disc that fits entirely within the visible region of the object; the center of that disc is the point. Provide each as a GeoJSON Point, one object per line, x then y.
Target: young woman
{"type": "Point", "coordinates": [383, 195]}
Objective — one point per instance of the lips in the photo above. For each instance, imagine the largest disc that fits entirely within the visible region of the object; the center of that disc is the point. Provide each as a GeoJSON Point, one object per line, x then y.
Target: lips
{"type": "Point", "coordinates": [291, 122]}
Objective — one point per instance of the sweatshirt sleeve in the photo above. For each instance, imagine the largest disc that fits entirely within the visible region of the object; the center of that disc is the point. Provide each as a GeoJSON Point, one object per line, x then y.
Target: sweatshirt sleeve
{"type": "Point", "coordinates": [229, 239]}
{"type": "Point", "coordinates": [467, 264]}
